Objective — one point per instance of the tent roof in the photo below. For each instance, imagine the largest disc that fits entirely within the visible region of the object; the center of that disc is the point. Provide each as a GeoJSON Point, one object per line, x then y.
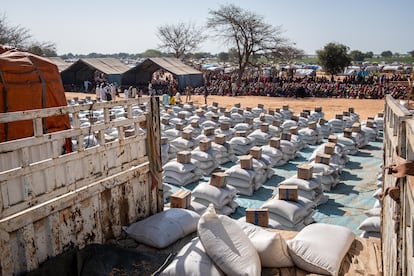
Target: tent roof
{"type": "Point", "coordinates": [172, 65]}
{"type": "Point", "coordinates": [60, 63]}
{"type": "Point", "coordinates": [109, 66]}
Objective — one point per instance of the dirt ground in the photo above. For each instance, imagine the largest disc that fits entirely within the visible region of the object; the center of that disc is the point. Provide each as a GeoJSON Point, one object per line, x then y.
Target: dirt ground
{"type": "Point", "coordinates": [365, 107]}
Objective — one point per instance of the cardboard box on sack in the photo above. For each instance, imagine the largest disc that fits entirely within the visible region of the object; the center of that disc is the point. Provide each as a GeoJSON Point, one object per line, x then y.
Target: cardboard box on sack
{"type": "Point", "coordinates": [246, 162]}
{"type": "Point", "coordinates": [180, 199]}
{"type": "Point", "coordinates": [329, 148]}
{"type": "Point", "coordinates": [258, 217]}
{"type": "Point", "coordinates": [184, 157]}
{"type": "Point", "coordinates": [323, 158]}
{"type": "Point", "coordinates": [204, 144]}
{"type": "Point", "coordinates": [288, 192]}
{"type": "Point", "coordinates": [305, 171]}
{"type": "Point", "coordinates": [256, 152]}
{"type": "Point", "coordinates": [219, 179]}
{"type": "Point", "coordinates": [220, 139]}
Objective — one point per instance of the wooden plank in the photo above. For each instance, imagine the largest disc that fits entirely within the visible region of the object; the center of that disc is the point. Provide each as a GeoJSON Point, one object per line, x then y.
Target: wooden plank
{"type": "Point", "coordinates": [6, 258]}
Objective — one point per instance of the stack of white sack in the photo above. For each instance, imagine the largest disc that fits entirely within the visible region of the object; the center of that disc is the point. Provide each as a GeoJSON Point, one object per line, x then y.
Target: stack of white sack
{"type": "Point", "coordinates": [221, 150]}
{"type": "Point", "coordinates": [360, 137]}
{"type": "Point", "coordinates": [288, 123]}
{"type": "Point", "coordinates": [226, 130]}
{"type": "Point", "coordinates": [296, 140]}
{"type": "Point", "coordinates": [286, 112]}
{"type": "Point", "coordinates": [237, 116]}
{"type": "Point", "coordinates": [261, 135]}
{"type": "Point", "coordinates": [203, 157]}
{"type": "Point", "coordinates": [173, 133]}
{"type": "Point", "coordinates": [275, 129]}
{"type": "Point", "coordinates": [208, 132]}
{"type": "Point", "coordinates": [289, 215]}
{"type": "Point", "coordinates": [165, 146]}
{"type": "Point", "coordinates": [348, 120]}
{"type": "Point", "coordinates": [213, 122]}
{"type": "Point", "coordinates": [258, 121]}
{"type": "Point", "coordinates": [273, 151]}
{"type": "Point", "coordinates": [303, 119]}
{"type": "Point", "coordinates": [198, 116]}
{"type": "Point", "coordinates": [235, 108]}
{"type": "Point", "coordinates": [323, 129]}
{"type": "Point", "coordinates": [179, 119]}
{"type": "Point", "coordinates": [317, 114]}
{"type": "Point", "coordinates": [248, 113]}
{"type": "Point", "coordinates": [371, 226]}
{"type": "Point", "coordinates": [212, 111]}
{"type": "Point", "coordinates": [310, 189]}
{"type": "Point", "coordinates": [353, 114]}
{"type": "Point", "coordinates": [242, 176]}
{"type": "Point", "coordinates": [309, 135]}
{"type": "Point", "coordinates": [246, 125]}
{"type": "Point", "coordinates": [347, 141]}
{"type": "Point", "coordinates": [337, 124]}
{"type": "Point", "coordinates": [181, 171]}
{"type": "Point", "coordinates": [194, 126]}
{"type": "Point", "coordinates": [328, 173]}
{"type": "Point", "coordinates": [226, 118]}
{"type": "Point", "coordinates": [262, 165]}
{"type": "Point", "coordinates": [223, 198]}
{"type": "Point", "coordinates": [185, 142]}
{"type": "Point", "coordinates": [167, 191]}
{"type": "Point", "coordinates": [379, 121]}
{"type": "Point", "coordinates": [165, 124]}
{"type": "Point", "coordinates": [259, 109]}
{"type": "Point", "coordinates": [287, 147]}
{"type": "Point", "coordinates": [370, 129]}
{"type": "Point", "coordinates": [240, 144]}
{"type": "Point", "coordinates": [337, 157]}
{"type": "Point", "coordinates": [276, 114]}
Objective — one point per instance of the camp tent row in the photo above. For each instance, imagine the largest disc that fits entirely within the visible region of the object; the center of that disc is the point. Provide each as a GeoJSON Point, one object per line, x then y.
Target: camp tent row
{"type": "Point", "coordinates": [117, 71]}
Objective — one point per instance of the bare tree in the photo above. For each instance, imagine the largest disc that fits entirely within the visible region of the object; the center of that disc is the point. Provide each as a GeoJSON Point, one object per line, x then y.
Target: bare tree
{"type": "Point", "coordinates": [181, 38]}
{"type": "Point", "coordinates": [247, 33]}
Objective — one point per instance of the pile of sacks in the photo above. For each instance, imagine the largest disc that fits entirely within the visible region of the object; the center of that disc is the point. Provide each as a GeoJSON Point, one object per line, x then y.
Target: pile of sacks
{"type": "Point", "coordinates": [218, 193]}
{"type": "Point", "coordinates": [273, 151]}
{"type": "Point", "coordinates": [222, 150]}
{"type": "Point", "coordinates": [182, 143]}
{"type": "Point", "coordinates": [241, 144]}
{"type": "Point", "coordinates": [261, 135]}
{"type": "Point", "coordinates": [348, 143]}
{"type": "Point", "coordinates": [203, 157]}
{"type": "Point", "coordinates": [181, 171]}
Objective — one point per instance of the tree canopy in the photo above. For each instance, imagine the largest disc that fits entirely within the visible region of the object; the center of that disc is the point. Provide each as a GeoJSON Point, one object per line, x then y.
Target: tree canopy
{"type": "Point", "coordinates": [181, 38]}
{"type": "Point", "coordinates": [246, 32]}
{"type": "Point", "coordinates": [334, 58]}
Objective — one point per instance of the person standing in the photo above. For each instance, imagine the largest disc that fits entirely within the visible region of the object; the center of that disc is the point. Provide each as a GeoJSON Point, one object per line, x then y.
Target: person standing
{"type": "Point", "coordinates": [134, 92]}
{"type": "Point", "coordinates": [98, 93]}
{"type": "Point", "coordinates": [188, 94]}
{"type": "Point", "coordinates": [205, 94]}
{"type": "Point", "coordinates": [178, 97]}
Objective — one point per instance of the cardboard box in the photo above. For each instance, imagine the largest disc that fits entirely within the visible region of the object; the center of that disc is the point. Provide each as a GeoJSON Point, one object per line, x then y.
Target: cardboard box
{"type": "Point", "coordinates": [356, 127]}
{"type": "Point", "coordinates": [240, 111]}
{"type": "Point", "coordinates": [318, 109]}
{"type": "Point", "coordinates": [304, 114]}
{"type": "Point", "coordinates": [274, 142]}
{"type": "Point", "coordinates": [262, 117]}
{"type": "Point", "coordinates": [246, 162]}
{"type": "Point", "coordinates": [204, 144]}
{"type": "Point", "coordinates": [222, 109]}
{"type": "Point", "coordinates": [200, 112]}
{"type": "Point", "coordinates": [346, 114]}
{"type": "Point", "coordinates": [261, 106]}
{"type": "Point", "coordinates": [285, 107]}
{"type": "Point", "coordinates": [179, 126]}
{"type": "Point", "coordinates": [294, 118]}
{"type": "Point", "coordinates": [339, 116]}
{"type": "Point", "coordinates": [321, 121]}
{"type": "Point", "coordinates": [380, 115]}
{"type": "Point", "coordinates": [333, 139]}
{"type": "Point", "coordinates": [224, 126]}
{"type": "Point", "coordinates": [208, 131]}
{"type": "Point", "coordinates": [165, 121]}
{"type": "Point", "coordinates": [277, 110]}
{"type": "Point", "coordinates": [241, 133]}
{"type": "Point", "coordinates": [348, 132]}
{"type": "Point", "coordinates": [248, 108]}
{"type": "Point", "coordinates": [293, 130]}
{"type": "Point", "coordinates": [129, 132]}
{"type": "Point", "coordinates": [370, 123]}
{"type": "Point", "coordinates": [215, 118]}
{"type": "Point", "coordinates": [227, 114]}
{"type": "Point", "coordinates": [164, 140]}
{"type": "Point", "coordinates": [181, 115]}
{"type": "Point", "coordinates": [238, 105]}
{"type": "Point", "coordinates": [219, 179]}
{"type": "Point", "coordinates": [184, 157]}
{"type": "Point", "coordinates": [264, 127]}
{"type": "Point", "coordinates": [271, 112]}
{"type": "Point", "coordinates": [215, 104]}
{"type": "Point", "coordinates": [329, 148]}
{"type": "Point", "coordinates": [256, 152]}
{"type": "Point", "coordinates": [286, 136]}
{"type": "Point", "coordinates": [288, 192]}
{"type": "Point", "coordinates": [220, 139]}
{"type": "Point", "coordinates": [187, 134]}
{"type": "Point", "coordinates": [312, 125]}
{"type": "Point", "coordinates": [305, 171]}
{"type": "Point", "coordinates": [351, 110]}
{"type": "Point", "coordinates": [276, 123]}
{"type": "Point", "coordinates": [323, 158]}
{"type": "Point", "coordinates": [259, 217]}
{"type": "Point", "coordinates": [180, 199]}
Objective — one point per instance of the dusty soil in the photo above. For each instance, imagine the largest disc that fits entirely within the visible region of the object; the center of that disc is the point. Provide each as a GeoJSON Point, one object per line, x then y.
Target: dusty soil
{"type": "Point", "coordinates": [365, 108]}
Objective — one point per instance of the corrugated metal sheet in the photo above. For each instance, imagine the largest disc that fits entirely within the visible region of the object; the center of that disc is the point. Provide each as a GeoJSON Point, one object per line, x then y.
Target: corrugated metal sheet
{"type": "Point", "coordinates": [174, 66]}
{"type": "Point", "coordinates": [60, 63]}
{"type": "Point", "coordinates": [109, 66]}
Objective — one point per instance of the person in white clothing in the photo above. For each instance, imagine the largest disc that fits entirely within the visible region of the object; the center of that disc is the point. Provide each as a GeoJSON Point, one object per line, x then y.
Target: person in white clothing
{"type": "Point", "coordinates": [98, 92]}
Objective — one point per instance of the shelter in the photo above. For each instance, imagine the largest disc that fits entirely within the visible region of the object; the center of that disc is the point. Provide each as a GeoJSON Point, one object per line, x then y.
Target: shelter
{"type": "Point", "coordinates": [142, 73]}
{"type": "Point", "coordinates": [305, 72]}
{"type": "Point", "coordinates": [85, 69]}
{"type": "Point", "coordinates": [29, 82]}
{"type": "Point", "coordinates": [60, 63]}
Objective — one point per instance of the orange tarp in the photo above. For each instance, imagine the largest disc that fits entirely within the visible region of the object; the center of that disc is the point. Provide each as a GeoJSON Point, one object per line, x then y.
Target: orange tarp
{"type": "Point", "coordinates": [29, 82]}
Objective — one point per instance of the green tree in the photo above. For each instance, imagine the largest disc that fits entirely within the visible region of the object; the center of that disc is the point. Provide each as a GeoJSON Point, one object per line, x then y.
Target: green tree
{"type": "Point", "coordinates": [246, 32]}
{"type": "Point", "coordinates": [151, 53]}
{"type": "Point", "coordinates": [334, 58]}
{"type": "Point", "coordinates": [356, 55]}
{"type": "Point", "coordinates": [386, 54]}
{"type": "Point", "coordinates": [369, 54]}
{"type": "Point", "coordinates": [181, 38]}
{"type": "Point", "coordinates": [223, 56]}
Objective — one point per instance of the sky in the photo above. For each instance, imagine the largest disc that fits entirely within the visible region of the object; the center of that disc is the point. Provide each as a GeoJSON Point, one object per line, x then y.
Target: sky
{"type": "Point", "coordinates": [130, 26]}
